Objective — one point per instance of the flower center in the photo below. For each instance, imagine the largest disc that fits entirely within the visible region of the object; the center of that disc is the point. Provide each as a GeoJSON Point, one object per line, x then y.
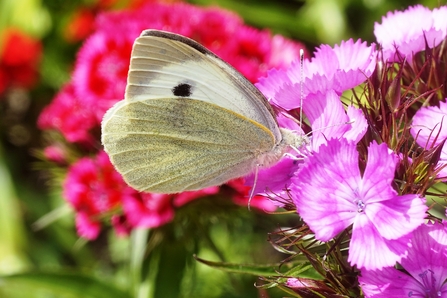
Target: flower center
{"type": "Point", "coordinates": [428, 286]}
{"type": "Point", "coordinates": [360, 206]}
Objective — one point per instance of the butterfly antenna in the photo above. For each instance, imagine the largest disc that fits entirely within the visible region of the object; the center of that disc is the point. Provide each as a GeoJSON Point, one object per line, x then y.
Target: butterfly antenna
{"type": "Point", "coordinates": [301, 85]}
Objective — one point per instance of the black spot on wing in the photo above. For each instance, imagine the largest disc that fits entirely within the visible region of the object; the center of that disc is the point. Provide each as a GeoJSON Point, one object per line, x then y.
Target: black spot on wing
{"type": "Point", "coordinates": [182, 90]}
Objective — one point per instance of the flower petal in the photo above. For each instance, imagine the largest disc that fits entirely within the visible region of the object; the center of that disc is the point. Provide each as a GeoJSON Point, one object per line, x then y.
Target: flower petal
{"type": "Point", "coordinates": [369, 250]}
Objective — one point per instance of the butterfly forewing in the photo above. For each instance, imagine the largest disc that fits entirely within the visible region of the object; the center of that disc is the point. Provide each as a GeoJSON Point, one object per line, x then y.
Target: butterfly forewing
{"type": "Point", "coordinates": [168, 145]}
{"type": "Point", "coordinates": [162, 61]}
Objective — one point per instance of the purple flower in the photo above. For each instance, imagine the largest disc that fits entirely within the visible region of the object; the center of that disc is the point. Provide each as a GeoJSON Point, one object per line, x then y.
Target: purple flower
{"type": "Point", "coordinates": [425, 266]}
{"type": "Point", "coordinates": [401, 36]}
{"type": "Point", "coordinates": [340, 68]}
{"type": "Point", "coordinates": [332, 71]}
{"type": "Point", "coordinates": [328, 120]}
{"type": "Point", "coordinates": [331, 193]}
{"type": "Point", "coordinates": [429, 128]}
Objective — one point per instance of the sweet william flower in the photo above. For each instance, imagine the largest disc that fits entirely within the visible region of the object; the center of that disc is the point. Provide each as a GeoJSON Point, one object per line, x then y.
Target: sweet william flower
{"type": "Point", "coordinates": [328, 120]}
{"type": "Point", "coordinates": [100, 74]}
{"type": "Point", "coordinates": [67, 114]}
{"type": "Point", "coordinates": [401, 36]}
{"type": "Point", "coordinates": [55, 153]}
{"type": "Point", "coordinates": [331, 194]}
{"type": "Point", "coordinates": [340, 68]}
{"type": "Point", "coordinates": [18, 67]}
{"type": "Point", "coordinates": [101, 67]}
{"type": "Point", "coordinates": [429, 128]}
{"type": "Point", "coordinates": [148, 210]}
{"type": "Point", "coordinates": [93, 187]}
{"type": "Point", "coordinates": [332, 71]}
{"type": "Point", "coordinates": [425, 268]}
{"type": "Point", "coordinates": [99, 80]}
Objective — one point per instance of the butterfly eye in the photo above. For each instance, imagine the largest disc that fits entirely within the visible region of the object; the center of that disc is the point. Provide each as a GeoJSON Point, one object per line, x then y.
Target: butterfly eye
{"type": "Point", "coordinates": [182, 90]}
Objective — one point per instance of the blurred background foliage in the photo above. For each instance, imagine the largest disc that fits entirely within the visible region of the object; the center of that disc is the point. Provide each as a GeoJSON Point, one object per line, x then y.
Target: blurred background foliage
{"type": "Point", "coordinates": [40, 252]}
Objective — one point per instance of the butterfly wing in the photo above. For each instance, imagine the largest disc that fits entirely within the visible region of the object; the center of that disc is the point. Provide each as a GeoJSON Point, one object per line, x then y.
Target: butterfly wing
{"type": "Point", "coordinates": [164, 65]}
{"type": "Point", "coordinates": [168, 145]}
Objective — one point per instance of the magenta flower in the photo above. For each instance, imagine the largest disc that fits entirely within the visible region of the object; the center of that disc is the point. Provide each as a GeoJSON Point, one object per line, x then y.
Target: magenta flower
{"type": "Point", "coordinates": [340, 68]}
{"type": "Point", "coordinates": [331, 194]}
{"type": "Point", "coordinates": [329, 120]}
{"type": "Point", "coordinates": [401, 36]}
{"type": "Point", "coordinates": [69, 116]}
{"type": "Point", "coordinates": [99, 80]}
{"type": "Point", "coordinates": [148, 210]}
{"type": "Point", "coordinates": [326, 76]}
{"type": "Point", "coordinates": [429, 128]}
{"type": "Point", "coordinates": [93, 187]}
{"type": "Point", "coordinates": [55, 153]}
{"type": "Point", "coordinates": [100, 73]}
{"type": "Point", "coordinates": [425, 268]}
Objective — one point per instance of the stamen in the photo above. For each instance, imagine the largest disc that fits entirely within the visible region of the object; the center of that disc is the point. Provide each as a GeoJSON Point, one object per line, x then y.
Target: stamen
{"type": "Point", "coordinates": [360, 206]}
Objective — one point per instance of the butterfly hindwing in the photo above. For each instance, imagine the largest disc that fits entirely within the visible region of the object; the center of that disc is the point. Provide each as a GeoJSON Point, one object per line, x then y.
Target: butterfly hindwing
{"type": "Point", "coordinates": [168, 145]}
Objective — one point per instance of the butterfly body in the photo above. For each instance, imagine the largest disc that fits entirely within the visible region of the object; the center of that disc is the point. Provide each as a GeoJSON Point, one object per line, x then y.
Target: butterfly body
{"type": "Point", "coordinates": [189, 120]}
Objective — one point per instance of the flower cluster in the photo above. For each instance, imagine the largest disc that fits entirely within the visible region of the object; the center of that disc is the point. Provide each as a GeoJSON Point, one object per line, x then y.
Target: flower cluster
{"type": "Point", "coordinates": [92, 187]}
{"type": "Point", "coordinates": [361, 183]}
{"type": "Point", "coordinates": [18, 67]}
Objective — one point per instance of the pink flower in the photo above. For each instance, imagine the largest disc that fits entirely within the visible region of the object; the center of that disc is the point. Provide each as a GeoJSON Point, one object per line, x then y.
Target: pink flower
{"type": "Point", "coordinates": [326, 76]}
{"type": "Point", "coordinates": [331, 194]}
{"type": "Point", "coordinates": [93, 187]}
{"type": "Point", "coordinates": [424, 269]}
{"type": "Point", "coordinates": [69, 116]}
{"type": "Point", "coordinates": [86, 226]}
{"type": "Point", "coordinates": [188, 196]}
{"type": "Point", "coordinates": [150, 210]}
{"type": "Point", "coordinates": [121, 226]}
{"type": "Point", "coordinates": [55, 153]}
{"type": "Point", "coordinates": [147, 210]}
{"type": "Point", "coordinates": [401, 36]}
{"type": "Point", "coordinates": [242, 197]}
{"type": "Point", "coordinates": [340, 68]}
{"type": "Point", "coordinates": [101, 69]}
{"type": "Point", "coordinates": [328, 120]}
{"type": "Point", "coordinates": [100, 73]}
{"type": "Point", "coordinates": [429, 128]}
{"type": "Point", "coordinates": [99, 80]}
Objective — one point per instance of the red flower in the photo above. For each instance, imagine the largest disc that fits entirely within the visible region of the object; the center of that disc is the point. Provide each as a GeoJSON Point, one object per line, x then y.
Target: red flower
{"type": "Point", "coordinates": [81, 25]}
{"type": "Point", "coordinates": [82, 22]}
{"type": "Point", "coordinates": [19, 59]}
{"type": "Point", "coordinates": [93, 187]}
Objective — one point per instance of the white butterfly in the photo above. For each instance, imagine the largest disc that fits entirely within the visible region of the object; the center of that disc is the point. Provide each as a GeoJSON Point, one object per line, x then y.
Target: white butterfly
{"type": "Point", "coordinates": [189, 120]}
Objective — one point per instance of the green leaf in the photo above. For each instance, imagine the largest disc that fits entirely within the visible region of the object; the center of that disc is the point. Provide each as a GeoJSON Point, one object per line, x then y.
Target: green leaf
{"type": "Point", "coordinates": [172, 264]}
{"type": "Point", "coordinates": [302, 269]}
{"type": "Point", "coordinates": [13, 239]}
{"type": "Point", "coordinates": [252, 269]}
{"type": "Point", "coordinates": [57, 284]}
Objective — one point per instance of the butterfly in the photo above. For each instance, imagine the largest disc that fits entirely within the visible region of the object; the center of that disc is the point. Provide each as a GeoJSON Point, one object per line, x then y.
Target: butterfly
{"type": "Point", "coordinates": [189, 120]}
